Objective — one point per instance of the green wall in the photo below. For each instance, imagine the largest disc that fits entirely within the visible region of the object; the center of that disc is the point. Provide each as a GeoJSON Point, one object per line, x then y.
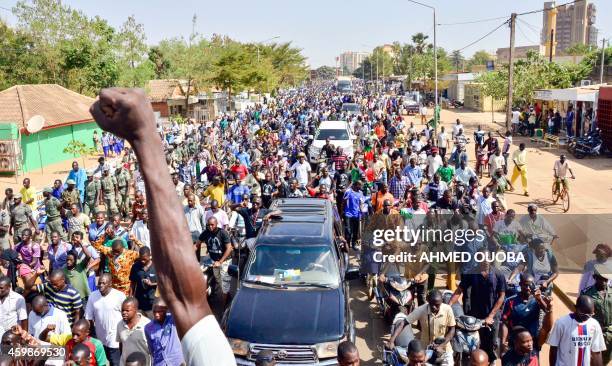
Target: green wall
{"type": "Point", "coordinates": [52, 144]}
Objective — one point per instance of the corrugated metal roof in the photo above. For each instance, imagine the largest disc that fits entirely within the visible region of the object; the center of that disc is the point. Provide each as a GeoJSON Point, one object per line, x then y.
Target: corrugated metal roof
{"type": "Point", "coordinates": [58, 105]}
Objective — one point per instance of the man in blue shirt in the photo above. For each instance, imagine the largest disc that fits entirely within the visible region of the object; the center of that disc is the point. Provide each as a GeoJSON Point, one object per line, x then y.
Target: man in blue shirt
{"type": "Point", "coordinates": [353, 198]}
{"type": "Point", "coordinates": [243, 157]}
{"type": "Point", "coordinates": [236, 192]}
{"type": "Point", "coordinates": [414, 173]}
{"type": "Point", "coordinates": [162, 338]}
{"type": "Point", "coordinates": [523, 309]}
{"type": "Point", "coordinates": [79, 176]}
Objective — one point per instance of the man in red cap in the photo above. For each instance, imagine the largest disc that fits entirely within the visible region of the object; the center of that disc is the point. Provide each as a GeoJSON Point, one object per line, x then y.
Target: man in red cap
{"type": "Point", "coordinates": [602, 252]}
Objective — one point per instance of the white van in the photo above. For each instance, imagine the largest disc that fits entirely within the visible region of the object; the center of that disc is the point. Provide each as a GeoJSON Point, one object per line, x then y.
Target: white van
{"type": "Point", "coordinates": [339, 134]}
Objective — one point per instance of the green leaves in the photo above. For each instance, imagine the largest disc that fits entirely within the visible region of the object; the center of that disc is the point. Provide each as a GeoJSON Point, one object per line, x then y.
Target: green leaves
{"type": "Point", "coordinates": [530, 74]}
{"type": "Point", "coordinates": [78, 148]}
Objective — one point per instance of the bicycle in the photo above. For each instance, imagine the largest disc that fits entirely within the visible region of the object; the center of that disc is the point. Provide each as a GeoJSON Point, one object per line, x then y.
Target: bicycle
{"type": "Point", "coordinates": [560, 192]}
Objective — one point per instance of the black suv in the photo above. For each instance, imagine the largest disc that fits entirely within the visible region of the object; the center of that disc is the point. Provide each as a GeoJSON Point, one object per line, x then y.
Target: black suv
{"type": "Point", "coordinates": [293, 298]}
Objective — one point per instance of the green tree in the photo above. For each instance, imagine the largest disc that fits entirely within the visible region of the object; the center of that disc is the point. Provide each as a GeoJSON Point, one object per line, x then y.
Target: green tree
{"type": "Point", "coordinates": [79, 149]}
{"type": "Point", "coordinates": [228, 69]}
{"type": "Point", "coordinates": [579, 49]}
{"type": "Point", "coordinates": [531, 74]}
{"type": "Point", "coordinates": [457, 60]}
{"type": "Point", "coordinates": [161, 65]}
{"type": "Point", "coordinates": [326, 73]}
{"type": "Point", "coordinates": [478, 58]}
{"type": "Point", "coordinates": [66, 46]}
{"type": "Point", "coordinates": [136, 68]}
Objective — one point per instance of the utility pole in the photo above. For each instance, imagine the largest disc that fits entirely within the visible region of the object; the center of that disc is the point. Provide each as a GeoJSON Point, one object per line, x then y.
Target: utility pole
{"type": "Point", "coordinates": [603, 54]}
{"type": "Point", "coordinates": [552, 40]}
{"type": "Point", "coordinates": [510, 70]}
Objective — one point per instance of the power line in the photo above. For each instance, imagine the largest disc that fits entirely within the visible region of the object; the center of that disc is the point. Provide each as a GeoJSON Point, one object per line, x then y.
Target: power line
{"type": "Point", "coordinates": [532, 27]}
{"type": "Point", "coordinates": [485, 36]}
{"type": "Point", "coordinates": [554, 7]}
{"type": "Point", "coordinates": [474, 21]}
{"type": "Point", "coordinates": [523, 33]}
{"type": "Point", "coordinates": [505, 17]}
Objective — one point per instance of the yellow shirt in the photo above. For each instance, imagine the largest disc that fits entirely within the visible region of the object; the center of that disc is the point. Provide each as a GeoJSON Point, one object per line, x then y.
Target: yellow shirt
{"type": "Point", "coordinates": [520, 157]}
{"type": "Point", "coordinates": [59, 339]}
{"type": "Point", "coordinates": [28, 194]}
{"type": "Point", "coordinates": [216, 193]}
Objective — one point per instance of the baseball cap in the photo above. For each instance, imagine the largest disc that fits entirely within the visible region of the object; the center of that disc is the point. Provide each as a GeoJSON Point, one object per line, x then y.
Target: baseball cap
{"type": "Point", "coordinates": [17, 195]}
{"type": "Point", "coordinates": [434, 149]}
{"type": "Point", "coordinates": [70, 181]}
{"type": "Point", "coordinates": [90, 173]}
{"type": "Point", "coordinates": [47, 190]}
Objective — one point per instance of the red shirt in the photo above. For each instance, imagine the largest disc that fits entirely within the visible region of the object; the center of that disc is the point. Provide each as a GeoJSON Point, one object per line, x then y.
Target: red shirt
{"type": "Point", "coordinates": [241, 170]}
{"type": "Point", "coordinates": [92, 350]}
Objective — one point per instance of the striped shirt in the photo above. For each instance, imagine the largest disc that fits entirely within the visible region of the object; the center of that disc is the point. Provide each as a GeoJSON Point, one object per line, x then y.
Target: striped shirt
{"type": "Point", "coordinates": [68, 299]}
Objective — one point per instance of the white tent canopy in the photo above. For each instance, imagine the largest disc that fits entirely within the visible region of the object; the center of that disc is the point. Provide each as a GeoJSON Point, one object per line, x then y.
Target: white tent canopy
{"type": "Point", "coordinates": [578, 94]}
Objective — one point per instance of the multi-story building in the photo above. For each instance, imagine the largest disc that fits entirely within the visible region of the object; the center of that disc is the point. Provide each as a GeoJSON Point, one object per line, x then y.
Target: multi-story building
{"type": "Point", "coordinates": [349, 61]}
{"type": "Point", "coordinates": [575, 24]}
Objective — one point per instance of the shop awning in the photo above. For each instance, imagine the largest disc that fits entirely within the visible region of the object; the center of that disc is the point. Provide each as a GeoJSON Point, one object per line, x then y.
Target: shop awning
{"type": "Point", "coordinates": [578, 94]}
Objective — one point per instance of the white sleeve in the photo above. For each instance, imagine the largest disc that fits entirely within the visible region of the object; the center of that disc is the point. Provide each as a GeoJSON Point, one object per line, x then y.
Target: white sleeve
{"type": "Point", "coordinates": [205, 345]}
{"type": "Point", "coordinates": [22, 312]}
{"type": "Point", "coordinates": [598, 345]}
{"type": "Point", "coordinates": [555, 336]}
{"type": "Point", "coordinates": [89, 310]}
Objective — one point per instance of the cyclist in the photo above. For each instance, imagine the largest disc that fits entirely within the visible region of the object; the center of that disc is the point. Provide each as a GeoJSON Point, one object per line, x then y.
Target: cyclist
{"type": "Point", "coordinates": [560, 169]}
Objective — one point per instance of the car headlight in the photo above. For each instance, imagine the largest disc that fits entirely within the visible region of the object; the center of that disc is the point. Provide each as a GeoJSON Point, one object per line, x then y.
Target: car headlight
{"type": "Point", "coordinates": [327, 349]}
{"type": "Point", "coordinates": [239, 347]}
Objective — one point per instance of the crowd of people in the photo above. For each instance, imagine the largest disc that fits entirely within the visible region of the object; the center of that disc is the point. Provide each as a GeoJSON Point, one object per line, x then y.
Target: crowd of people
{"type": "Point", "coordinates": [79, 271]}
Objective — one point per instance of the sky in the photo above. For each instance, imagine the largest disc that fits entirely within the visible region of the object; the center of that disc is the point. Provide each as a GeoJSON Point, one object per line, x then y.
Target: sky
{"type": "Point", "coordinates": [324, 29]}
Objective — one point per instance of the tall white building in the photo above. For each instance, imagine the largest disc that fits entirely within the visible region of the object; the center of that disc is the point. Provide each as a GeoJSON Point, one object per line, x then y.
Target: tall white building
{"type": "Point", "coordinates": [350, 61]}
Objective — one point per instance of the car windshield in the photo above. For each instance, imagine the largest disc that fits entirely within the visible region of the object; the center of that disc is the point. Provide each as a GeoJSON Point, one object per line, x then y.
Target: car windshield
{"type": "Point", "coordinates": [332, 134]}
{"type": "Point", "coordinates": [295, 265]}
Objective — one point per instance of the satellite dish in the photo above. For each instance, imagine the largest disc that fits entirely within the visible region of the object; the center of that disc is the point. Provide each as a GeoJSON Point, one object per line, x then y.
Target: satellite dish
{"type": "Point", "coordinates": [35, 124]}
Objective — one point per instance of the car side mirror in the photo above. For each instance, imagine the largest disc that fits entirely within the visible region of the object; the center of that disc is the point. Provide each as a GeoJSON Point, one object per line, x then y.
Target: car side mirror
{"type": "Point", "coordinates": [352, 273]}
{"type": "Point", "coordinates": [232, 270]}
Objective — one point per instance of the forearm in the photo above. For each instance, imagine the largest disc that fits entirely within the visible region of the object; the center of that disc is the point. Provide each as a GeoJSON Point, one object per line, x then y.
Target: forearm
{"type": "Point", "coordinates": [498, 304]}
{"type": "Point", "coordinates": [170, 240]}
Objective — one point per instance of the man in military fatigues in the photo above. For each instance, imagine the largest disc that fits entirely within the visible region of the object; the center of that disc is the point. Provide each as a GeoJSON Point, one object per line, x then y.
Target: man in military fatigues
{"type": "Point", "coordinates": [123, 186]}
{"type": "Point", "coordinates": [71, 195]}
{"type": "Point", "coordinates": [601, 293]}
{"type": "Point", "coordinates": [92, 190]}
{"type": "Point", "coordinates": [52, 209]}
{"type": "Point", "coordinates": [108, 184]}
{"type": "Point", "coordinates": [21, 218]}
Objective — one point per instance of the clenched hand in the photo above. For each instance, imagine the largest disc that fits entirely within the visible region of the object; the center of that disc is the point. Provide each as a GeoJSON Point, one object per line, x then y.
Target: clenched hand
{"type": "Point", "coordinates": [124, 112]}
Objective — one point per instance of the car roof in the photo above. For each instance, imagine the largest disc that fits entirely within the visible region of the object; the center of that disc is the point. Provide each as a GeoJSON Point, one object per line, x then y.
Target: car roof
{"type": "Point", "coordinates": [304, 221]}
{"type": "Point", "coordinates": [326, 125]}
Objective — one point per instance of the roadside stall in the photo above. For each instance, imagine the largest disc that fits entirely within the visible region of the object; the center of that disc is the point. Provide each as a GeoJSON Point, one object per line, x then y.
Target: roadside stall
{"type": "Point", "coordinates": [583, 100]}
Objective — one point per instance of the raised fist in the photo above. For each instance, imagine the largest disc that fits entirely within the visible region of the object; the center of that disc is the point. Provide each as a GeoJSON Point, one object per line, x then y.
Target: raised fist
{"type": "Point", "coordinates": [124, 112]}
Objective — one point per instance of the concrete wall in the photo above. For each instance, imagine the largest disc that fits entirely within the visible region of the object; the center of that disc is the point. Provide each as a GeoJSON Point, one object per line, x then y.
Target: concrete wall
{"type": "Point", "coordinates": [52, 144]}
{"type": "Point", "coordinates": [475, 100]}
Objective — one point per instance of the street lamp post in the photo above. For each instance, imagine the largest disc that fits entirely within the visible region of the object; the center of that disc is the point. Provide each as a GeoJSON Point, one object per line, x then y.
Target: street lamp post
{"type": "Point", "coordinates": [261, 42]}
{"type": "Point", "coordinates": [435, 62]}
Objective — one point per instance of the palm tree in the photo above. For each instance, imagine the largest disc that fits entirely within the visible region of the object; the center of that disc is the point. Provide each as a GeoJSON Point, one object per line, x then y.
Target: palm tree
{"type": "Point", "coordinates": [420, 42]}
{"type": "Point", "coordinates": [457, 59]}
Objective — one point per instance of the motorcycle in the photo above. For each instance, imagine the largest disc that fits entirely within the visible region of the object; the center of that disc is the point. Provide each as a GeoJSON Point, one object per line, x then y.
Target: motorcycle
{"type": "Point", "coordinates": [393, 295]}
{"type": "Point", "coordinates": [587, 139]}
{"type": "Point", "coordinates": [397, 354]}
{"type": "Point", "coordinates": [588, 149]}
{"type": "Point", "coordinates": [467, 338]}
